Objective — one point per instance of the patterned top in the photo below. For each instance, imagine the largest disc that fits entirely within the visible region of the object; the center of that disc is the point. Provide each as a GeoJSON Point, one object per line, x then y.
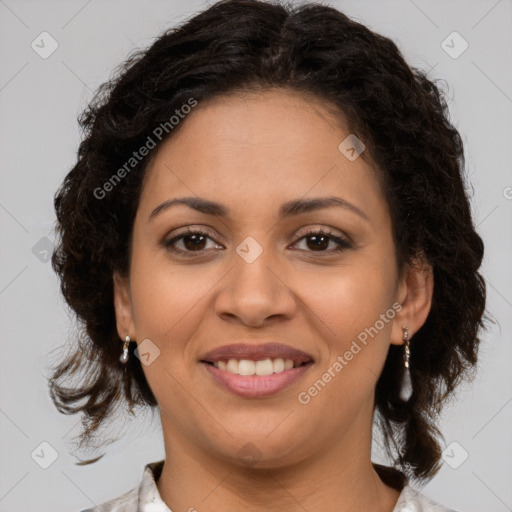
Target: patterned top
{"type": "Point", "coordinates": [146, 498]}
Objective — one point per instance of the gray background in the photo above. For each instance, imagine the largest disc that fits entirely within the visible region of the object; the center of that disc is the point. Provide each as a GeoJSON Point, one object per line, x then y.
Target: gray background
{"type": "Point", "coordinates": [39, 101]}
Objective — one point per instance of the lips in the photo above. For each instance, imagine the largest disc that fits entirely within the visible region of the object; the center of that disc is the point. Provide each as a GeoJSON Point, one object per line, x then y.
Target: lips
{"type": "Point", "coordinates": [256, 353]}
{"type": "Point", "coordinates": [253, 386]}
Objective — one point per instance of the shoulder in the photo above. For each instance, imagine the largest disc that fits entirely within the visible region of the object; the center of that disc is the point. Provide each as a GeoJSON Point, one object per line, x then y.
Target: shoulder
{"type": "Point", "coordinates": [127, 502]}
{"type": "Point", "coordinates": [143, 498]}
{"type": "Point", "coordinates": [411, 500]}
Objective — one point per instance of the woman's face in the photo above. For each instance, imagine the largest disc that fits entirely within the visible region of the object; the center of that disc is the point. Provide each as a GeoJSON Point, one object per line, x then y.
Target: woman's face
{"type": "Point", "coordinates": [262, 274]}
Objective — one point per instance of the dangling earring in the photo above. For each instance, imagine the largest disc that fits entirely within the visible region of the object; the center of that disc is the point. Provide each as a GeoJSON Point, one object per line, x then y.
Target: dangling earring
{"type": "Point", "coordinates": [124, 356]}
{"type": "Point", "coordinates": [406, 388]}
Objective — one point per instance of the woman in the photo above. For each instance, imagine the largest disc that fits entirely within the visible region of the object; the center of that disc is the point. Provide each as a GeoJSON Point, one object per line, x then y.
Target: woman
{"type": "Point", "coordinates": [267, 238]}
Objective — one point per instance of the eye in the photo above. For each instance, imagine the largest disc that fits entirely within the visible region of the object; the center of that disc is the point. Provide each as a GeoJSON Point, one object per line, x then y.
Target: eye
{"type": "Point", "coordinates": [319, 240]}
{"type": "Point", "coordinates": [192, 240]}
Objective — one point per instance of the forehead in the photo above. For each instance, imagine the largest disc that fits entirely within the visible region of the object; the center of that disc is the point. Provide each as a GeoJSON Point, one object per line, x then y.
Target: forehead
{"type": "Point", "coordinates": [258, 148]}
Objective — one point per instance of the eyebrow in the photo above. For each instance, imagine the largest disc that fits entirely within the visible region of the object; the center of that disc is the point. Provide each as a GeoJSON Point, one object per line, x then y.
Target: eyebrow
{"type": "Point", "coordinates": [288, 209]}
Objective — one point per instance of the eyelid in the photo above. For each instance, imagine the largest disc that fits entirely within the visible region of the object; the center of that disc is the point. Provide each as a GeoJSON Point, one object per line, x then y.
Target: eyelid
{"type": "Point", "coordinates": [325, 230]}
{"type": "Point", "coordinates": [168, 241]}
{"type": "Point", "coordinates": [343, 241]}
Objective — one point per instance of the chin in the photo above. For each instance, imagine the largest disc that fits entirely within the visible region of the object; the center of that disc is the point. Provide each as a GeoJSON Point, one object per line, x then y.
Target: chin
{"type": "Point", "coordinates": [261, 452]}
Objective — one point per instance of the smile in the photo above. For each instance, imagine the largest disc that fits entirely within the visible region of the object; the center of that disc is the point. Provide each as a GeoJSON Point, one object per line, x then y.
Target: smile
{"type": "Point", "coordinates": [262, 367]}
{"type": "Point", "coordinates": [255, 371]}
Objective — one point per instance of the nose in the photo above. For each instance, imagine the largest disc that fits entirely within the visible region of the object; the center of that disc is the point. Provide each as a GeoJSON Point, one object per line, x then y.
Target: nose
{"type": "Point", "coordinates": [255, 293]}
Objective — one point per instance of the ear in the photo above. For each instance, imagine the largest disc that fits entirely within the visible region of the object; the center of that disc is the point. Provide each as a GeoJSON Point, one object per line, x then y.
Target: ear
{"type": "Point", "coordinates": [414, 293]}
{"type": "Point", "coordinates": [123, 306]}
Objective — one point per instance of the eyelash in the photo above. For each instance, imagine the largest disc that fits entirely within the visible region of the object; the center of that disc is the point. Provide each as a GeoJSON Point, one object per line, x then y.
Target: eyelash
{"type": "Point", "coordinates": [343, 243]}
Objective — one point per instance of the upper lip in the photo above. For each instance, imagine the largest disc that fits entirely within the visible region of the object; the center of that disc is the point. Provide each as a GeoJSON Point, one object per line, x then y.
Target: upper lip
{"type": "Point", "coordinates": [256, 353]}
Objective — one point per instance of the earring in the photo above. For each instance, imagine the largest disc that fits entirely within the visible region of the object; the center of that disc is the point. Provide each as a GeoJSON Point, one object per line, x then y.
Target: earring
{"type": "Point", "coordinates": [124, 356]}
{"type": "Point", "coordinates": [406, 387]}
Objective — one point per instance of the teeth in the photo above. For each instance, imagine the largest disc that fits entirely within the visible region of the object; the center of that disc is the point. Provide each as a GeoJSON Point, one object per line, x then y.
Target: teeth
{"type": "Point", "coordinates": [246, 367]}
{"type": "Point", "coordinates": [263, 367]}
{"type": "Point", "coordinates": [232, 366]}
{"type": "Point", "coordinates": [279, 365]}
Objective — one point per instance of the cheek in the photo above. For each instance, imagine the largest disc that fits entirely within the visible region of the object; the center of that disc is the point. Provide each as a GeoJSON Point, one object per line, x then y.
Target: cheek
{"type": "Point", "coordinates": [166, 299]}
{"type": "Point", "coordinates": [344, 301]}
{"type": "Point", "coordinates": [348, 314]}
{"type": "Point", "coordinates": [168, 308]}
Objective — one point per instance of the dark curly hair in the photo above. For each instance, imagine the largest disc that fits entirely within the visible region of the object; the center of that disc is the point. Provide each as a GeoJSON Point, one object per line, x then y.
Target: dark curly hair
{"type": "Point", "coordinates": [400, 115]}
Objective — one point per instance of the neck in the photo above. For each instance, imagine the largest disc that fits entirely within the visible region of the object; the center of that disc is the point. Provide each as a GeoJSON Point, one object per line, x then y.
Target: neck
{"type": "Point", "coordinates": [340, 478]}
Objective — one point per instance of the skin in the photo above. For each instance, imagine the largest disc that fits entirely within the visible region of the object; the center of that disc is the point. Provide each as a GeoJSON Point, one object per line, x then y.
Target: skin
{"type": "Point", "coordinates": [252, 152]}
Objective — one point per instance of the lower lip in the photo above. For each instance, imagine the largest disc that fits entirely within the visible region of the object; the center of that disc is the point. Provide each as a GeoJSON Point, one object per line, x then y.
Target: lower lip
{"type": "Point", "coordinates": [256, 386]}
